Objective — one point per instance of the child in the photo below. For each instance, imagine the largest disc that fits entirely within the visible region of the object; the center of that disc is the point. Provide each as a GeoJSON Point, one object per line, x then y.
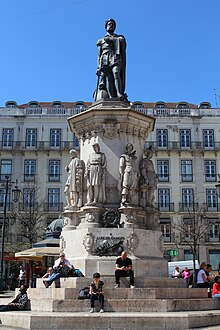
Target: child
{"type": "Point", "coordinates": [96, 292]}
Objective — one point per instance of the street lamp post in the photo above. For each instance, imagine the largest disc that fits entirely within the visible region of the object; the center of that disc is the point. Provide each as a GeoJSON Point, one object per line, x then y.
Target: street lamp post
{"type": "Point", "coordinates": [15, 197]}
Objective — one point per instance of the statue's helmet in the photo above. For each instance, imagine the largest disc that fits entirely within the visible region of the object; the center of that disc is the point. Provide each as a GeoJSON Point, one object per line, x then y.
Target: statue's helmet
{"type": "Point", "coordinates": [110, 20]}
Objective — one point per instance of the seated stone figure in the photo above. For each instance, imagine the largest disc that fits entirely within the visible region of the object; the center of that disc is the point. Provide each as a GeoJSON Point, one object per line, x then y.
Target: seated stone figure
{"type": "Point", "coordinates": [124, 269]}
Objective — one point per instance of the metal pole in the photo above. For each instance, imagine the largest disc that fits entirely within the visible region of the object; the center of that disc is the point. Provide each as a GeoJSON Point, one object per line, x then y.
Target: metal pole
{"type": "Point", "coordinates": [3, 232]}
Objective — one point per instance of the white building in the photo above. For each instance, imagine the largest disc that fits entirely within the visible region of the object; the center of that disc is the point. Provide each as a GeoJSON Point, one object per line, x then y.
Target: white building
{"type": "Point", "coordinates": [34, 147]}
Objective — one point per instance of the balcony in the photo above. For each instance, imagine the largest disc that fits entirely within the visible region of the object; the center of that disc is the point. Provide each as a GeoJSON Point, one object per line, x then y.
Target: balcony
{"type": "Point", "coordinates": [176, 145]}
{"type": "Point", "coordinates": [53, 207]}
{"type": "Point", "coordinates": [165, 207]}
{"type": "Point", "coordinates": [188, 207]}
{"type": "Point", "coordinates": [168, 237]}
{"type": "Point", "coordinates": [39, 146]}
{"type": "Point", "coordinates": [212, 237]}
{"type": "Point", "coordinates": [211, 207]}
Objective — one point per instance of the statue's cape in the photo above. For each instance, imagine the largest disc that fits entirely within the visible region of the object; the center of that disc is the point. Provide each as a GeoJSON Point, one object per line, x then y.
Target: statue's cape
{"type": "Point", "coordinates": [120, 47]}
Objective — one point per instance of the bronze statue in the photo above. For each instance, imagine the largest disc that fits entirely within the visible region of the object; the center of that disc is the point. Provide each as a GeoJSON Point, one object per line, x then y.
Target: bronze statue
{"type": "Point", "coordinates": [111, 64]}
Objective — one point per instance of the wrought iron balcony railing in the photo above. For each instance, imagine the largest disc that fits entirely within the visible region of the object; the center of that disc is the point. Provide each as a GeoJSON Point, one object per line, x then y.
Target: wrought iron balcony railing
{"type": "Point", "coordinates": [165, 207]}
{"type": "Point", "coordinates": [53, 207]}
{"type": "Point", "coordinates": [177, 145]}
{"type": "Point", "coordinates": [188, 207]}
{"type": "Point", "coordinates": [40, 145]}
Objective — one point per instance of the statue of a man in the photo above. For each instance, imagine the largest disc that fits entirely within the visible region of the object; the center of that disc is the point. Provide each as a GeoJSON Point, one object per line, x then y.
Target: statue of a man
{"type": "Point", "coordinates": [95, 174]}
{"type": "Point", "coordinates": [128, 175]}
{"type": "Point", "coordinates": [148, 180]}
{"type": "Point", "coordinates": [74, 184]}
{"type": "Point", "coordinates": [111, 63]}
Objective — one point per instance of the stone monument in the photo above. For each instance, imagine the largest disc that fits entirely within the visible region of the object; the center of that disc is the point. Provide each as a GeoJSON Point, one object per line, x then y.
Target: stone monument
{"type": "Point", "coordinates": [113, 209]}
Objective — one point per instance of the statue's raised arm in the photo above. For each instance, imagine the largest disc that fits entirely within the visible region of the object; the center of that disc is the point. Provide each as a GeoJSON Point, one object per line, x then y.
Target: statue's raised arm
{"type": "Point", "coordinates": [111, 69]}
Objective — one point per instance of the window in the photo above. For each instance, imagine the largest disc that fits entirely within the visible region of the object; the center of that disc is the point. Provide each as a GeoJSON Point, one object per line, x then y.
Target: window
{"type": "Point", "coordinates": [7, 137]}
{"type": "Point", "coordinates": [162, 138]}
{"type": "Point", "coordinates": [188, 255]}
{"type": "Point", "coordinates": [208, 138]}
{"type": "Point", "coordinates": [163, 170]}
{"type": "Point", "coordinates": [187, 228]}
{"type": "Point", "coordinates": [75, 141]}
{"type": "Point", "coordinates": [54, 170]}
{"type": "Point", "coordinates": [210, 170]}
{"type": "Point", "coordinates": [214, 232]}
{"type": "Point", "coordinates": [53, 199]}
{"type": "Point", "coordinates": [186, 170]}
{"type": "Point", "coordinates": [2, 199]}
{"type": "Point", "coordinates": [187, 198]}
{"type": "Point", "coordinates": [31, 137]}
{"type": "Point", "coordinates": [6, 168]}
{"type": "Point", "coordinates": [211, 199]}
{"type": "Point", "coordinates": [165, 227]}
{"type": "Point", "coordinates": [29, 169]}
{"type": "Point", "coordinates": [28, 198]}
{"type": "Point", "coordinates": [214, 257]}
{"type": "Point", "coordinates": [185, 138]}
{"type": "Point", "coordinates": [55, 138]}
{"type": "Point", "coordinates": [164, 199]}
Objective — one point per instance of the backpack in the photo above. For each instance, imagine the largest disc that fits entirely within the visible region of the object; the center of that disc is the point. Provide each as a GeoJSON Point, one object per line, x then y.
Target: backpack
{"type": "Point", "coordinates": [84, 293]}
{"type": "Point", "coordinates": [78, 273]}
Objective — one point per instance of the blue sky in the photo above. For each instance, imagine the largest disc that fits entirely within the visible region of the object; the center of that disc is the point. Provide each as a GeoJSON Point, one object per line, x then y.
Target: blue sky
{"type": "Point", "coordinates": [48, 49]}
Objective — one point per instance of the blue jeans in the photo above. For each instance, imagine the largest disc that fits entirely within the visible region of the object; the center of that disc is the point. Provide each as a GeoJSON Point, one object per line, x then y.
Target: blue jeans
{"type": "Point", "coordinates": [53, 277]}
{"type": "Point", "coordinates": [217, 295]}
{"type": "Point", "coordinates": [99, 297]}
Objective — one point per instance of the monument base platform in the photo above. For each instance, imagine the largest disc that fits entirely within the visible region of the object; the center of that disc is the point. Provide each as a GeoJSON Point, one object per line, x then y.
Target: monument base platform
{"type": "Point", "coordinates": [96, 250]}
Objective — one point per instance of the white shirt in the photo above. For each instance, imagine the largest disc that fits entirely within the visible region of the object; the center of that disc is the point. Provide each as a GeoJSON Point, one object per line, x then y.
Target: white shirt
{"type": "Point", "coordinates": [199, 276]}
{"type": "Point", "coordinates": [61, 260]}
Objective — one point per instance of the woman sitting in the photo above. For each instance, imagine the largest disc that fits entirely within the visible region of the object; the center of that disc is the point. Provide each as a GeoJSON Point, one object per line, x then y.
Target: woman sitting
{"type": "Point", "coordinates": [216, 288]}
{"type": "Point", "coordinates": [202, 278]}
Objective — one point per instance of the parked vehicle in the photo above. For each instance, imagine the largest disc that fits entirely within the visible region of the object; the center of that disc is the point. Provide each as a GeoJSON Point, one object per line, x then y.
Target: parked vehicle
{"type": "Point", "coordinates": [181, 264]}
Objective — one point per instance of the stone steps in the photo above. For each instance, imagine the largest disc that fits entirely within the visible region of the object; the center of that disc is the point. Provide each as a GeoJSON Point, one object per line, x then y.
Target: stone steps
{"type": "Point", "coordinates": [127, 305]}
{"type": "Point", "coordinates": [121, 293]}
{"type": "Point", "coordinates": [110, 321]}
{"type": "Point", "coordinates": [140, 282]}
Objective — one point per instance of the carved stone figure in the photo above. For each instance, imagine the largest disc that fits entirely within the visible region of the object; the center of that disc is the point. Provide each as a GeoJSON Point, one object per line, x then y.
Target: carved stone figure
{"type": "Point", "coordinates": [111, 64]}
{"type": "Point", "coordinates": [74, 184]}
{"type": "Point", "coordinates": [128, 175]}
{"type": "Point", "coordinates": [148, 180]}
{"type": "Point", "coordinates": [95, 174]}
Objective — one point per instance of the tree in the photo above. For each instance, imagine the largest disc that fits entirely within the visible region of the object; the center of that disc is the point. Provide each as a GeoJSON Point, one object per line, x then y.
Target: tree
{"type": "Point", "coordinates": [191, 231]}
{"type": "Point", "coordinates": [27, 220]}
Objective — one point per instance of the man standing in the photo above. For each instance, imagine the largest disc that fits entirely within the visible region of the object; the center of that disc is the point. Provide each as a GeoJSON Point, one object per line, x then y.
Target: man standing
{"type": "Point", "coordinates": [19, 303]}
{"type": "Point", "coordinates": [128, 176]}
{"type": "Point", "coordinates": [112, 62]}
{"type": "Point", "coordinates": [124, 269]}
{"type": "Point", "coordinates": [95, 174]}
{"type": "Point", "coordinates": [73, 187]}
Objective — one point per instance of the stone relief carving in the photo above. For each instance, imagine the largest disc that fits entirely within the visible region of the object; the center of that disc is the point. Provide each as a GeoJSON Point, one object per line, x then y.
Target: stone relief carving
{"type": "Point", "coordinates": [111, 218]}
{"type": "Point", "coordinates": [74, 184]}
{"type": "Point", "coordinates": [62, 243]}
{"type": "Point", "coordinates": [132, 242]}
{"type": "Point", "coordinates": [111, 130]}
{"type": "Point", "coordinates": [160, 243]}
{"type": "Point", "coordinates": [95, 175]}
{"type": "Point", "coordinates": [148, 180]}
{"type": "Point", "coordinates": [128, 179]}
{"type": "Point", "coordinates": [88, 242]}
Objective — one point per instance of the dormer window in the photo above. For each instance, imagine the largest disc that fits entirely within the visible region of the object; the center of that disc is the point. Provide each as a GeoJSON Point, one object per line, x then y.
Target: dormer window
{"type": "Point", "coordinates": [160, 105]}
{"type": "Point", "coordinates": [11, 104]}
{"type": "Point", "coordinates": [205, 105]}
{"type": "Point", "coordinates": [57, 104]}
{"type": "Point", "coordinates": [79, 107]}
{"type": "Point", "coordinates": [33, 104]}
{"type": "Point", "coordinates": [182, 105]}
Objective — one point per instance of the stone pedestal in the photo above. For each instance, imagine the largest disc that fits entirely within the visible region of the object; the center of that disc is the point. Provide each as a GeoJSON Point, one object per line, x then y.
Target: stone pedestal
{"type": "Point", "coordinates": [88, 239]}
{"type": "Point", "coordinates": [145, 247]}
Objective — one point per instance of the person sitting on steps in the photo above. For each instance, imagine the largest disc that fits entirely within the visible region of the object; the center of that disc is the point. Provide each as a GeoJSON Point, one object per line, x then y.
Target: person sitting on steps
{"type": "Point", "coordinates": [124, 269]}
{"type": "Point", "coordinates": [19, 303]}
{"type": "Point", "coordinates": [96, 292]}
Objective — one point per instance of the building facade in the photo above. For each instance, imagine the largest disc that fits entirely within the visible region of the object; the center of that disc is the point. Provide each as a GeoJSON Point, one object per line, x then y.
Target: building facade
{"type": "Point", "coordinates": [35, 141]}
